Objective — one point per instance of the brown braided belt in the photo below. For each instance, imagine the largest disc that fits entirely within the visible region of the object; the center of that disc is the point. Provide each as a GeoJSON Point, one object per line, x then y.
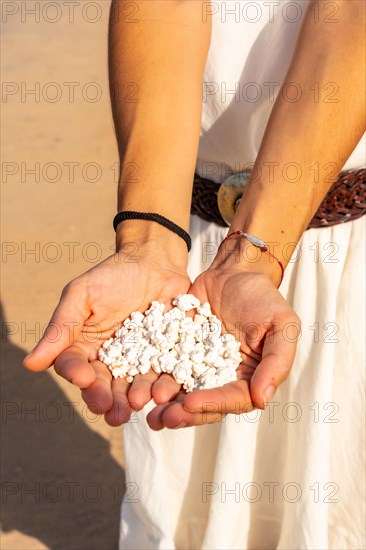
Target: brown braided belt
{"type": "Point", "coordinates": [344, 202]}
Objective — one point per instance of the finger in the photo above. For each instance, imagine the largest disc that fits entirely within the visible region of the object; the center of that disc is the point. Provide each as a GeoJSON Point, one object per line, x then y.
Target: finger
{"type": "Point", "coordinates": [165, 389]}
{"type": "Point", "coordinates": [120, 412]}
{"type": "Point", "coordinates": [98, 396]}
{"type": "Point", "coordinates": [74, 366]}
{"type": "Point", "coordinates": [277, 359]}
{"type": "Point", "coordinates": [231, 398]}
{"type": "Point", "coordinates": [140, 391]}
{"type": "Point", "coordinates": [63, 329]}
{"type": "Point", "coordinates": [174, 416]}
{"type": "Point", "coordinates": [154, 417]}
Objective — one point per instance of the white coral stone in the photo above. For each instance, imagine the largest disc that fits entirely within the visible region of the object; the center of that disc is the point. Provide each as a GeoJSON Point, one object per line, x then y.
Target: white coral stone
{"type": "Point", "coordinates": [185, 302]}
{"type": "Point", "coordinates": [192, 349]}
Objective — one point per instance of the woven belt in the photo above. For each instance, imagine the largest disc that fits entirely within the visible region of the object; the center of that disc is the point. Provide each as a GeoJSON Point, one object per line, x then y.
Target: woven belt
{"type": "Point", "coordinates": [344, 202]}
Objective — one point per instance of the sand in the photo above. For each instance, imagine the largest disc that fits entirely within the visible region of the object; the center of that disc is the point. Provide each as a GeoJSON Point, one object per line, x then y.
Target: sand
{"type": "Point", "coordinates": [72, 461]}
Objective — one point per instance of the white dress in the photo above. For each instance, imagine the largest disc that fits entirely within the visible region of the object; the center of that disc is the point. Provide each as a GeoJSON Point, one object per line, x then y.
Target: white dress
{"type": "Point", "coordinates": [291, 477]}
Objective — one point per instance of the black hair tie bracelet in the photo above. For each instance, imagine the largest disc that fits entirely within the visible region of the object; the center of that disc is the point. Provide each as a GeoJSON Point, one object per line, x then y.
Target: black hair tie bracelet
{"type": "Point", "coordinates": [158, 218]}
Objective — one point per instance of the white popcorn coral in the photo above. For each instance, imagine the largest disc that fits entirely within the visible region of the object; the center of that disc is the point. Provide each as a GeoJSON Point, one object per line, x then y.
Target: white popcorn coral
{"type": "Point", "coordinates": [204, 309]}
{"type": "Point", "coordinates": [185, 302]}
{"type": "Point", "coordinates": [193, 350]}
{"type": "Point", "coordinates": [182, 370]}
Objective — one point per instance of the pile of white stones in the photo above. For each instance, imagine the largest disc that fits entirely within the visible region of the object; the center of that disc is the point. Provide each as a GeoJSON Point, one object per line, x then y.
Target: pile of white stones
{"type": "Point", "coordinates": [193, 350]}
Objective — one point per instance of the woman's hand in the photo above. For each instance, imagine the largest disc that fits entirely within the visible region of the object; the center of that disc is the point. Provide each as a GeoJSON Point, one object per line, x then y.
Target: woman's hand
{"type": "Point", "coordinates": [252, 309]}
{"type": "Point", "coordinates": [89, 312]}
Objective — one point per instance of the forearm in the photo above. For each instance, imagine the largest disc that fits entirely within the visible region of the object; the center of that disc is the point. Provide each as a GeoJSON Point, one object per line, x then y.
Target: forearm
{"type": "Point", "coordinates": [161, 59]}
{"type": "Point", "coordinates": [302, 137]}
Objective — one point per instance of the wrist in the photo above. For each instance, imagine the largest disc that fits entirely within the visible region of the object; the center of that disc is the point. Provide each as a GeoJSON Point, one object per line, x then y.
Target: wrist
{"type": "Point", "coordinates": [148, 237]}
{"type": "Point", "coordinates": [238, 254]}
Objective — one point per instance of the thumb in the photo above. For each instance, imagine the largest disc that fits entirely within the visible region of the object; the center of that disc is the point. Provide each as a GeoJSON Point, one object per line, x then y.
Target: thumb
{"type": "Point", "coordinates": [277, 359]}
{"type": "Point", "coordinates": [63, 329]}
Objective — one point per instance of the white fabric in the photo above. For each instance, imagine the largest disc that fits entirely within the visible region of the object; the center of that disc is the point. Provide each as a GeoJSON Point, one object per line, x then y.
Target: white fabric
{"type": "Point", "coordinates": [291, 477]}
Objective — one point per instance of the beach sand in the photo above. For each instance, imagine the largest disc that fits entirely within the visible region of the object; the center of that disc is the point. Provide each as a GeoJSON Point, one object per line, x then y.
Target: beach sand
{"type": "Point", "coordinates": [62, 467]}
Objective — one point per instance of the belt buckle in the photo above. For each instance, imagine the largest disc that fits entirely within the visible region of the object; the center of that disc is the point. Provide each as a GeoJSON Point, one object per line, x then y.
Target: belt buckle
{"type": "Point", "coordinates": [230, 193]}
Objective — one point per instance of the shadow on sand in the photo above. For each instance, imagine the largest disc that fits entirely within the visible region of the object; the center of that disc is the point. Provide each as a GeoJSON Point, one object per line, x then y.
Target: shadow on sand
{"type": "Point", "coordinates": [60, 484]}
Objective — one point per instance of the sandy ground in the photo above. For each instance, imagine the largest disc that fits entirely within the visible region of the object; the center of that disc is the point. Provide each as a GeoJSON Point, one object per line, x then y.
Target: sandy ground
{"type": "Point", "coordinates": [62, 469]}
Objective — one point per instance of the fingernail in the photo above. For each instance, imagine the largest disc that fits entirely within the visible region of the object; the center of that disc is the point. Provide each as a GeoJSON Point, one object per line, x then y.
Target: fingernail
{"type": "Point", "coordinates": [182, 425]}
{"type": "Point", "coordinates": [268, 394]}
{"type": "Point", "coordinates": [191, 409]}
{"type": "Point", "coordinates": [32, 351]}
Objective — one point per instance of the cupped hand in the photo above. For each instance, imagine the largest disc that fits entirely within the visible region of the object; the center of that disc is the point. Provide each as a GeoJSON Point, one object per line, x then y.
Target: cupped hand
{"type": "Point", "coordinates": [90, 310]}
{"type": "Point", "coordinates": [251, 308]}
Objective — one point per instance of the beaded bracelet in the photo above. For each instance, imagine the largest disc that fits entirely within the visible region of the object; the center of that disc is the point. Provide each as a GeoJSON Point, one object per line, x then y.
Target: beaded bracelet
{"type": "Point", "coordinates": [158, 218]}
{"type": "Point", "coordinates": [259, 244]}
